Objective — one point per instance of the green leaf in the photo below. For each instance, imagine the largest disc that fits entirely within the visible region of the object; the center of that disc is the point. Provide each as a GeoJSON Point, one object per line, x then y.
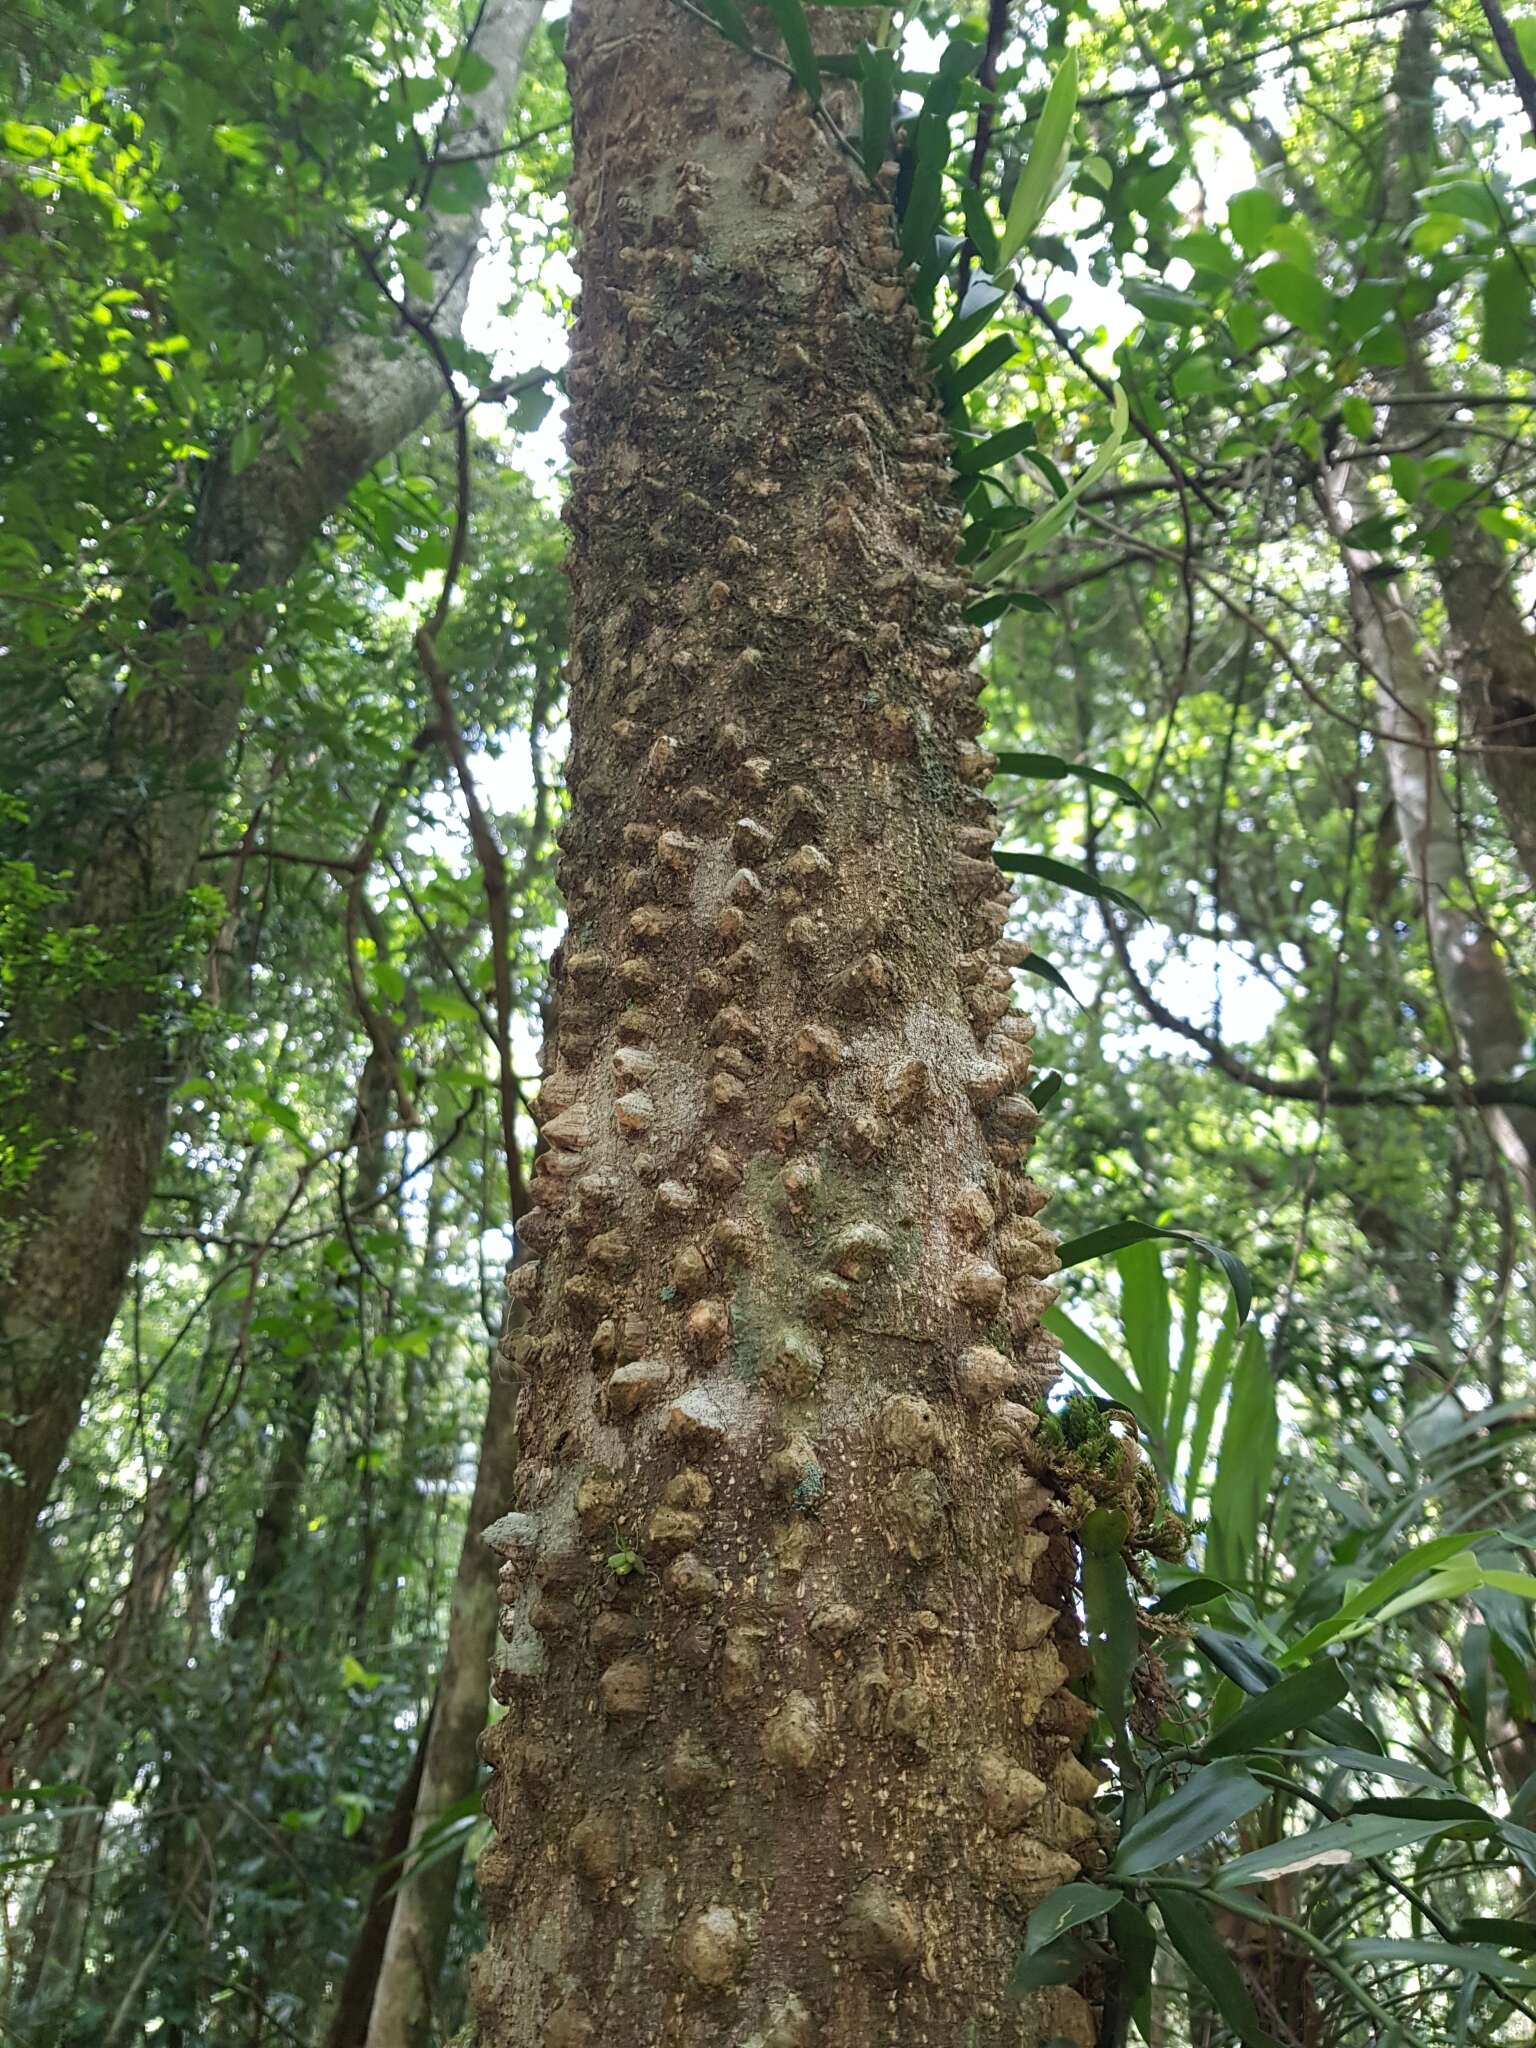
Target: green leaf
{"type": "Point", "coordinates": [1211, 1800]}
{"type": "Point", "coordinates": [1444, 1955]}
{"type": "Point", "coordinates": [1182, 1385]}
{"type": "Point", "coordinates": [1295, 1702]}
{"type": "Point", "coordinates": [1161, 302]}
{"type": "Point", "coordinates": [1501, 524]}
{"type": "Point", "coordinates": [245, 141]}
{"type": "Point", "coordinates": [1520, 1934]}
{"type": "Point", "coordinates": [1198, 1593]}
{"type": "Point", "coordinates": [1065, 1909]}
{"type": "Point", "coordinates": [971, 457]}
{"type": "Point", "coordinates": [1113, 1237]}
{"type": "Point", "coordinates": [1062, 1963]}
{"type": "Point", "coordinates": [1364, 1764]}
{"type": "Point", "coordinates": [1237, 1660]}
{"type": "Point", "coordinates": [1467, 198]}
{"type": "Point", "coordinates": [1134, 1941]}
{"type": "Point", "coordinates": [1296, 296]}
{"type": "Point", "coordinates": [1053, 768]}
{"type": "Point", "coordinates": [986, 609]}
{"type": "Point", "coordinates": [878, 71]}
{"type": "Point", "coordinates": [1521, 1584]}
{"type": "Point", "coordinates": [419, 280]}
{"type": "Point", "coordinates": [448, 1005]}
{"type": "Point", "coordinates": [979, 226]}
{"type": "Point", "coordinates": [1507, 332]}
{"type": "Point", "coordinates": [1091, 1358]}
{"type": "Point", "coordinates": [1445, 1806]}
{"type": "Point", "coordinates": [1045, 163]}
{"type": "Point", "coordinates": [1337, 1842]}
{"type": "Point", "coordinates": [1249, 1440]}
{"type": "Point", "coordinates": [475, 72]}
{"type": "Point", "coordinates": [530, 407]}
{"type": "Point", "coordinates": [961, 378]}
{"type": "Point", "coordinates": [1407, 475]}
{"type": "Point", "coordinates": [1047, 970]}
{"type": "Point", "coordinates": [1374, 532]}
{"type": "Point", "coordinates": [1213, 1384]}
{"type": "Point", "coordinates": [1209, 1961]}
{"type": "Point", "coordinates": [1050, 523]}
{"type": "Point", "coordinates": [923, 216]}
{"type": "Point", "coordinates": [245, 447]}
{"type": "Point", "coordinates": [1146, 1318]}
{"type": "Point", "coordinates": [1251, 215]}
{"type": "Point", "coordinates": [459, 188]}
{"type": "Point", "coordinates": [1198, 377]}
{"type": "Point", "coordinates": [795, 29]}
{"type": "Point", "coordinates": [1364, 309]}
{"type": "Point", "coordinates": [731, 22]}
{"type": "Point", "coordinates": [1204, 249]}
{"type": "Point", "coordinates": [1245, 325]}
{"type": "Point", "coordinates": [1424, 1557]}
{"type": "Point", "coordinates": [353, 1673]}
{"type": "Point", "coordinates": [1046, 1089]}
{"type": "Point", "coordinates": [26, 139]}
{"type": "Point", "coordinates": [1067, 876]}
{"type": "Point", "coordinates": [1110, 1610]}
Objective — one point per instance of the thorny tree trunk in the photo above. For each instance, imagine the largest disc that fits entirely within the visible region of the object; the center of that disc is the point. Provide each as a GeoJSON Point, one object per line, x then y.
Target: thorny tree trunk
{"type": "Point", "coordinates": [98, 1108]}
{"type": "Point", "coordinates": [423, 1915]}
{"type": "Point", "coordinates": [789, 1749]}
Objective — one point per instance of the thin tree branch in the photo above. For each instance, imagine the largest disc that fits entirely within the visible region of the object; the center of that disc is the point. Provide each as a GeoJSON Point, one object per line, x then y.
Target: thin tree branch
{"type": "Point", "coordinates": [1514, 57]}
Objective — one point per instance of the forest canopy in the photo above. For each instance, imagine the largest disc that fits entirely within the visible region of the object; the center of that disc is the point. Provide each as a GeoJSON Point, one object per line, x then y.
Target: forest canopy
{"type": "Point", "coordinates": [595, 606]}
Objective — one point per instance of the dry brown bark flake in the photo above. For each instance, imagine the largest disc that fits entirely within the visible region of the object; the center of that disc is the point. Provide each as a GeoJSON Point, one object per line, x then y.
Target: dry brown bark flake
{"type": "Point", "coordinates": [790, 1747]}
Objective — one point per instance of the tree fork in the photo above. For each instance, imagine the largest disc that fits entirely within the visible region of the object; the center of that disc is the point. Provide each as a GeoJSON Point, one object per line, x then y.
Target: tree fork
{"type": "Point", "coordinates": [791, 1747]}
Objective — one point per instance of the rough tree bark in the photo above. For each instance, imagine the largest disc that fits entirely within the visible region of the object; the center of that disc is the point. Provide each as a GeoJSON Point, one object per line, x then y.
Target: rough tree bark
{"type": "Point", "coordinates": [98, 1108]}
{"type": "Point", "coordinates": [790, 1744]}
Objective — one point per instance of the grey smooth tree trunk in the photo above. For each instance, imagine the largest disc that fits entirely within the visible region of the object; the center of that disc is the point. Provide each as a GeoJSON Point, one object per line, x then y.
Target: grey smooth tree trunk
{"type": "Point", "coordinates": [791, 1746]}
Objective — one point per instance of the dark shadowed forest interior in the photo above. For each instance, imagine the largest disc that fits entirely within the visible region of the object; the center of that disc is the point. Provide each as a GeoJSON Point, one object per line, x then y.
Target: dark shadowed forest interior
{"type": "Point", "coordinates": [767, 1024]}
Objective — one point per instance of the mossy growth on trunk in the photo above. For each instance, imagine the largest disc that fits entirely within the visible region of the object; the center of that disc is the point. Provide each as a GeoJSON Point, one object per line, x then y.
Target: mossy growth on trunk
{"type": "Point", "coordinates": [792, 1742]}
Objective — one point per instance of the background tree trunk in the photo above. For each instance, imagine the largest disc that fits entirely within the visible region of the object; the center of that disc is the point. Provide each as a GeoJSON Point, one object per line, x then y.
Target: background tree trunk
{"type": "Point", "coordinates": [402, 2011]}
{"type": "Point", "coordinates": [790, 1749]}
{"type": "Point", "coordinates": [1496, 663]}
{"type": "Point", "coordinates": [94, 1070]}
{"type": "Point", "coordinates": [354, 1999]}
{"type": "Point", "coordinates": [1475, 986]}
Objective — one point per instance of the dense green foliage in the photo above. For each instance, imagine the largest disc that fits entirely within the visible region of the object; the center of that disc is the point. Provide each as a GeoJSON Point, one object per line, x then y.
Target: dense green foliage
{"type": "Point", "coordinates": [1232, 314]}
